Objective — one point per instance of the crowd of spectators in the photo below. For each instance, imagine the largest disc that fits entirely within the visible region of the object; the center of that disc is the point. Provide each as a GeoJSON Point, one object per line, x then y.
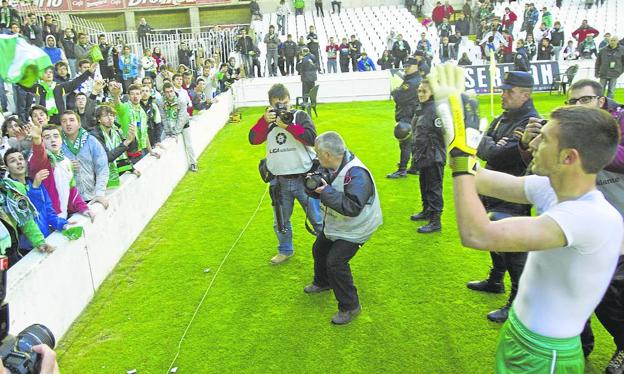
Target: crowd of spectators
{"type": "Point", "coordinates": [91, 117]}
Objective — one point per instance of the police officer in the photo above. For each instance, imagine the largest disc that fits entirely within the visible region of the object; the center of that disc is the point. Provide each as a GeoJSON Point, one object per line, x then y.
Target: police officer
{"type": "Point", "coordinates": [499, 148]}
{"type": "Point", "coordinates": [406, 101]}
{"type": "Point", "coordinates": [429, 159]}
{"type": "Point", "coordinates": [352, 213]}
{"type": "Point", "coordinates": [289, 157]}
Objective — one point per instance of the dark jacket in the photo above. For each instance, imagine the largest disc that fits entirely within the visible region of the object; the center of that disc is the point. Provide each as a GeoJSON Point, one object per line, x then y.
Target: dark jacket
{"type": "Point", "coordinates": [406, 98]}
{"type": "Point", "coordinates": [544, 53]}
{"type": "Point", "coordinates": [60, 91]}
{"type": "Point", "coordinates": [386, 63]}
{"type": "Point", "coordinates": [399, 53]}
{"type": "Point", "coordinates": [608, 57]}
{"type": "Point", "coordinates": [429, 147]}
{"type": "Point", "coordinates": [87, 119]}
{"type": "Point", "coordinates": [290, 49]}
{"type": "Point", "coordinates": [244, 45]}
{"type": "Point", "coordinates": [68, 46]}
{"type": "Point", "coordinates": [184, 57]}
{"type": "Point", "coordinates": [33, 34]}
{"type": "Point", "coordinates": [506, 158]}
{"type": "Point", "coordinates": [356, 193]}
{"type": "Point", "coordinates": [111, 154]}
{"type": "Point", "coordinates": [521, 61]}
{"type": "Point", "coordinates": [557, 37]}
{"type": "Point", "coordinates": [307, 68]}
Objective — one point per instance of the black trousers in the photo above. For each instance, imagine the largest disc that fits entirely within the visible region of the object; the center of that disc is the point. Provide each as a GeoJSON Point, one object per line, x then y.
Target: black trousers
{"type": "Point", "coordinates": [344, 65]}
{"type": "Point", "coordinates": [406, 147]}
{"type": "Point", "coordinates": [290, 65]}
{"type": "Point", "coordinates": [334, 4]}
{"type": "Point", "coordinates": [319, 8]}
{"type": "Point", "coordinates": [331, 268]}
{"type": "Point", "coordinates": [610, 311]}
{"type": "Point", "coordinates": [513, 262]}
{"type": "Point", "coordinates": [306, 87]}
{"type": "Point", "coordinates": [430, 179]}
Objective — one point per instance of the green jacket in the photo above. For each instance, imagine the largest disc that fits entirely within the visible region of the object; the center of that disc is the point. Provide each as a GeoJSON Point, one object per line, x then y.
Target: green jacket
{"type": "Point", "coordinates": [299, 4]}
{"type": "Point", "coordinates": [547, 19]}
{"type": "Point", "coordinates": [29, 228]}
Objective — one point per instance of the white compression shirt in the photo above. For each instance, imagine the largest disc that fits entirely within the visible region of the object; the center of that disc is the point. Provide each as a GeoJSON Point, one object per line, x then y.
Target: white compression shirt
{"type": "Point", "coordinates": [560, 287]}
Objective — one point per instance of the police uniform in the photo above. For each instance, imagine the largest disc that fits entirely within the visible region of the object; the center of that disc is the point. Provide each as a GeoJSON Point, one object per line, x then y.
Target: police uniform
{"type": "Point", "coordinates": [429, 159]}
{"type": "Point", "coordinates": [507, 159]}
{"type": "Point", "coordinates": [406, 100]}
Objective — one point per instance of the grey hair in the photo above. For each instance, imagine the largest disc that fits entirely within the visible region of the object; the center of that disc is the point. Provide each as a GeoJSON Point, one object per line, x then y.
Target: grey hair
{"type": "Point", "coordinates": [331, 142]}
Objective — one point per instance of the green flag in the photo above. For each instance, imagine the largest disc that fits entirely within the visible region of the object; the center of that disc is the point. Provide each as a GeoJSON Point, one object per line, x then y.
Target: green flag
{"type": "Point", "coordinates": [73, 233]}
{"type": "Point", "coordinates": [96, 54]}
{"type": "Point", "coordinates": [21, 62]}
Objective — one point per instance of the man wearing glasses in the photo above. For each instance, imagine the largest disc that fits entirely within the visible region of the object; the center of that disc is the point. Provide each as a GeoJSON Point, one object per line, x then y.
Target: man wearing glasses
{"type": "Point", "coordinates": [610, 181]}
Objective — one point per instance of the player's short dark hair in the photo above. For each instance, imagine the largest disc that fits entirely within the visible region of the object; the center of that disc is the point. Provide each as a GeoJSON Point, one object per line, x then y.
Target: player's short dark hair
{"type": "Point", "coordinates": [592, 132]}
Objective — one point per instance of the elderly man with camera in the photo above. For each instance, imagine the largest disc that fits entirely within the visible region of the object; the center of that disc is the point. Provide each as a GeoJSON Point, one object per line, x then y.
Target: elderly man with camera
{"type": "Point", "coordinates": [289, 136]}
{"type": "Point", "coordinates": [352, 214]}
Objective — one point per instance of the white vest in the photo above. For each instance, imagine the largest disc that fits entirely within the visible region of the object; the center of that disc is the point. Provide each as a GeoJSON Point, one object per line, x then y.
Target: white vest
{"type": "Point", "coordinates": [353, 229]}
{"type": "Point", "coordinates": [287, 155]}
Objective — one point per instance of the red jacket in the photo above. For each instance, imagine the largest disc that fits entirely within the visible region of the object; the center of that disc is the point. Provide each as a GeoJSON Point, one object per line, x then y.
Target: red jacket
{"type": "Point", "coordinates": [509, 19]}
{"type": "Point", "coordinates": [38, 161]}
{"type": "Point", "coordinates": [437, 15]}
{"type": "Point", "coordinates": [581, 33]}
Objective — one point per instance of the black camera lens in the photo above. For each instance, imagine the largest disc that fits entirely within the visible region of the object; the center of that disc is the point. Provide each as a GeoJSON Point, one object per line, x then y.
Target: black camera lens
{"type": "Point", "coordinates": [34, 335]}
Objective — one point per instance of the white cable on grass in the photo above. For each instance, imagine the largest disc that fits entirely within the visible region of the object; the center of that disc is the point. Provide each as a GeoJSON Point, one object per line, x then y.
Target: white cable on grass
{"type": "Point", "coordinates": [214, 277]}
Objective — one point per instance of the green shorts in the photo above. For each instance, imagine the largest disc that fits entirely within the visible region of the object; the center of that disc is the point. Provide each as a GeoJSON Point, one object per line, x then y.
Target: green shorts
{"type": "Point", "coordinates": [520, 350]}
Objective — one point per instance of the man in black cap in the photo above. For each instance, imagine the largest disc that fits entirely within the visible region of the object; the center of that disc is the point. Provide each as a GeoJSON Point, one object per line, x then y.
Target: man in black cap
{"type": "Point", "coordinates": [422, 62]}
{"type": "Point", "coordinates": [499, 148]}
{"type": "Point", "coordinates": [406, 101]}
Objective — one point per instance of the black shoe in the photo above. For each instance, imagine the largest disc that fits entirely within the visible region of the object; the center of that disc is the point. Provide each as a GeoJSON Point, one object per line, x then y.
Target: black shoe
{"type": "Point", "coordinates": [313, 288]}
{"type": "Point", "coordinates": [499, 315]}
{"type": "Point", "coordinates": [398, 174]}
{"type": "Point", "coordinates": [420, 216]}
{"type": "Point", "coordinates": [342, 318]}
{"type": "Point", "coordinates": [487, 285]}
{"type": "Point", "coordinates": [412, 171]}
{"type": "Point", "coordinates": [432, 226]}
{"type": "Point", "coordinates": [616, 365]}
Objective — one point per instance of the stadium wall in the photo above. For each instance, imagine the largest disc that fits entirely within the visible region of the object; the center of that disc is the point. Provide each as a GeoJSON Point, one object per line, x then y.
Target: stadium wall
{"type": "Point", "coordinates": [53, 289]}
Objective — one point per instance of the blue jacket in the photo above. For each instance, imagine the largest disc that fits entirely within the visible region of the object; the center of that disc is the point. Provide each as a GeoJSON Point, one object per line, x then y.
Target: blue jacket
{"type": "Point", "coordinates": [92, 177]}
{"type": "Point", "coordinates": [47, 217]}
{"type": "Point", "coordinates": [47, 220]}
{"type": "Point", "coordinates": [132, 69]}
{"type": "Point", "coordinates": [366, 64]}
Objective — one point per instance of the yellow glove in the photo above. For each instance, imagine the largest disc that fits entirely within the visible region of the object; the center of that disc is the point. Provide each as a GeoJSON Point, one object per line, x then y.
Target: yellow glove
{"type": "Point", "coordinates": [459, 113]}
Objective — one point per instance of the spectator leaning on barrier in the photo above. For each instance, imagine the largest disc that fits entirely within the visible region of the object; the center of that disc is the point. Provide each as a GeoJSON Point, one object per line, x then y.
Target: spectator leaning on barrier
{"type": "Point", "coordinates": [47, 220]}
{"type": "Point", "coordinates": [115, 144]}
{"type": "Point", "coordinates": [154, 121]}
{"type": "Point", "coordinates": [610, 65]}
{"type": "Point", "coordinates": [131, 113]}
{"type": "Point", "coordinates": [60, 183]}
{"type": "Point", "coordinates": [176, 121]}
{"type": "Point", "coordinates": [92, 172]}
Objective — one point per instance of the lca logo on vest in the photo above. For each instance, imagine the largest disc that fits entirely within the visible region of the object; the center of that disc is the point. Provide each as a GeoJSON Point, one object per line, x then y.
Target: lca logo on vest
{"type": "Point", "coordinates": [281, 138]}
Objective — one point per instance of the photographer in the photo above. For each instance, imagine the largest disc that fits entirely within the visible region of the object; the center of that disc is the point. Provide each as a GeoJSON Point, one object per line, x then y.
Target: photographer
{"type": "Point", "coordinates": [352, 214]}
{"type": "Point", "coordinates": [289, 157]}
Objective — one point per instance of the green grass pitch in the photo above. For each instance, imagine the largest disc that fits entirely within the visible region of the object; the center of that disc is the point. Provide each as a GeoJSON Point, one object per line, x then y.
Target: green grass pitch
{"type": "Point", "coordinates": [418, 316]}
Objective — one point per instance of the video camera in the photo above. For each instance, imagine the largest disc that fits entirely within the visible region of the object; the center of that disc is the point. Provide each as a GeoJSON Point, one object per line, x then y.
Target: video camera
{"type": "Point", "coordinates": [281, 111]}
{"type": "Point", "coordinates": [16, 351]}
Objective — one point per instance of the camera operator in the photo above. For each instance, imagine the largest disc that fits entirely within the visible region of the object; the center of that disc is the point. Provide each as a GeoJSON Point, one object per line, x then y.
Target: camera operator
{"type": "Point", "coordinates": [48, 360]}
{"type": "Point", "coordinates": [289, 157]}
{"type": "Point", "coordinates": [352, 214]}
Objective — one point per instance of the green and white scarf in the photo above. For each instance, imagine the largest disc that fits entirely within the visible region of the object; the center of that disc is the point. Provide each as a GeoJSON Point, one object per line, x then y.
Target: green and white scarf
{"type": "Point", "coordinates": [112, 141]}
{"type": "Point", "coordinates": [50, 103]}
{"type": "Point", "coordinates": [76, 145]}
{"type": "Point", "coordinates": [139, 119]}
